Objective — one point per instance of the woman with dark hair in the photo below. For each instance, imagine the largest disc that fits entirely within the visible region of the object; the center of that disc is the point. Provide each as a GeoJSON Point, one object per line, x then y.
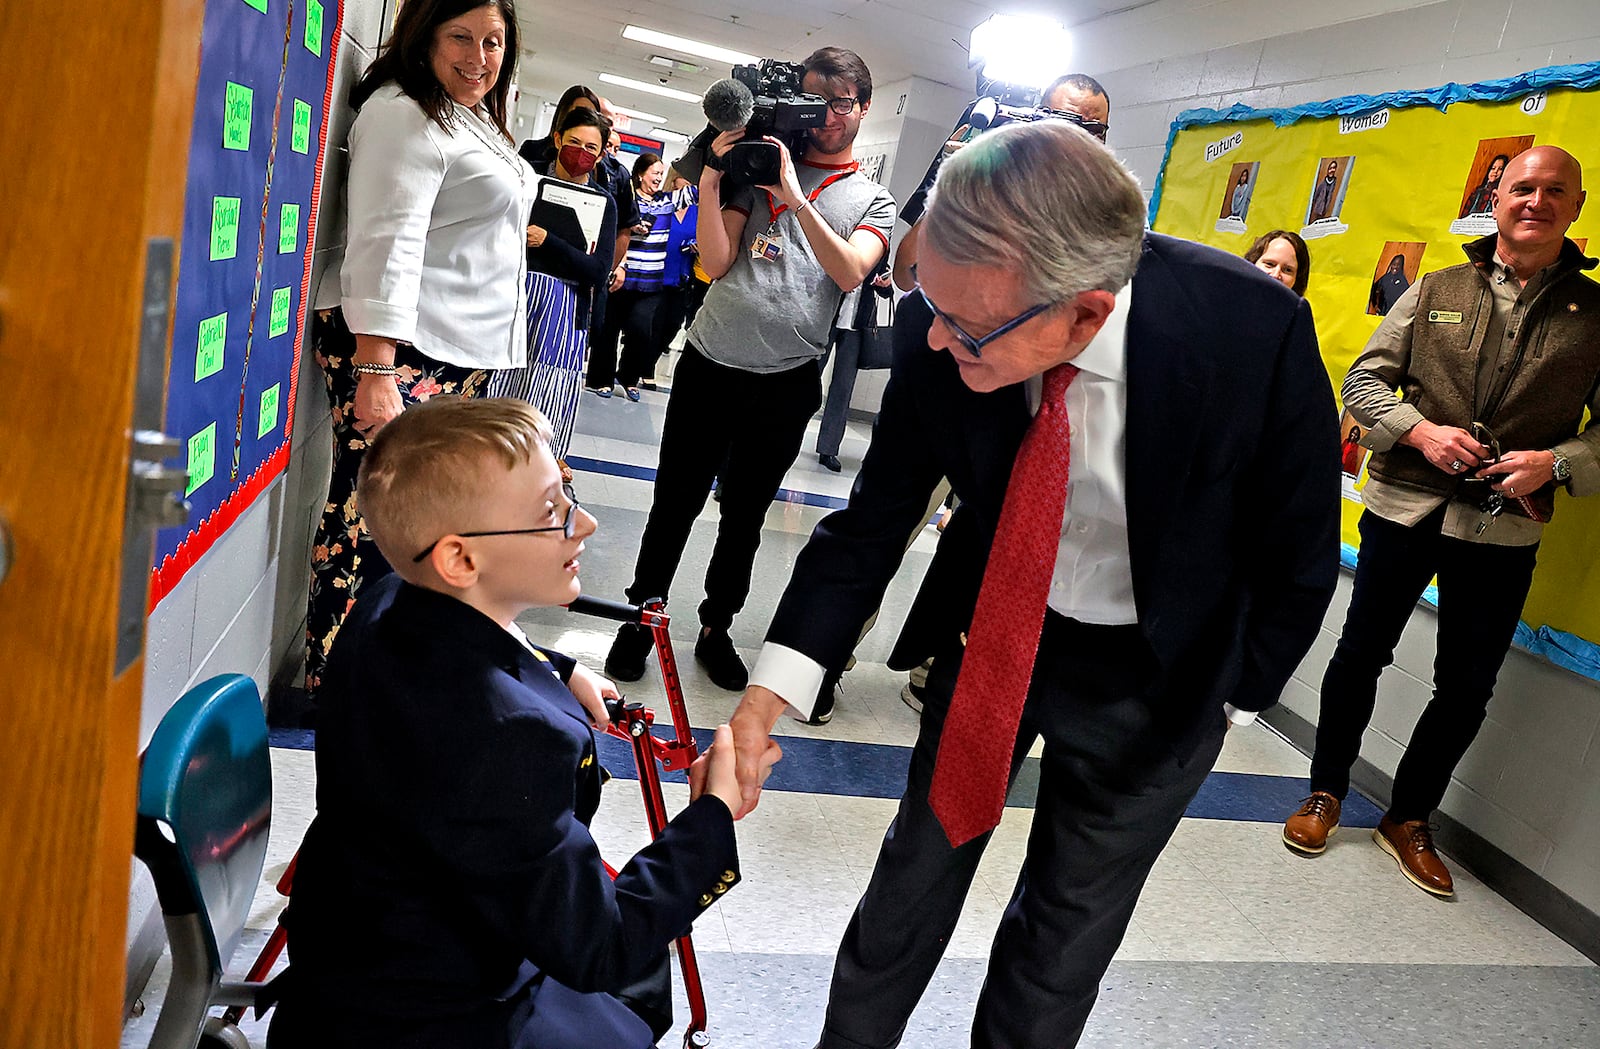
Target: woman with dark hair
{"type": "Point", "coordinates": [430, 298]}
{"type": "Point", "coordinates": [633, 306]}
{"type": "Point", "coordinates": [1282, 255]}
{"type": "Point", "coordinates": [1387, 289]}
{"type": "Point", "coordinates": [1239, 200]}
{"type": "Point", "coordinates": [562, 282]}
{"type": "Point", "coordinates": [539, 152]}
{"type": "Point", "coordinates": [1482, 200]}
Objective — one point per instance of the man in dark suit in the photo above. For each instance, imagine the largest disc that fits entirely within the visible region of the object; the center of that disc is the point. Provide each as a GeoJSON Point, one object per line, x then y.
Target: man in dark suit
{"type": "Point", "coordinates": [1186, 567]}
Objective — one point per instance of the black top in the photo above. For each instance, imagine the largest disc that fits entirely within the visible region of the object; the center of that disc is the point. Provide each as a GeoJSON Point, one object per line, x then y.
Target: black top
{"type": "Point", "coordinates": [561, 259]}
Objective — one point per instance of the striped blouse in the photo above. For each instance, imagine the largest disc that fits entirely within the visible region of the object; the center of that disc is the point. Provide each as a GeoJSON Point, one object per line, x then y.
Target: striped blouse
{"type": "Point", "coordinates": [647, 253]}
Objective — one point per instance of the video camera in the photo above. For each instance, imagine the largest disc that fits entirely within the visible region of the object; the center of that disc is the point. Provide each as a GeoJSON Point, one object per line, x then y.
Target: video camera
{"type": "Point", "coordinates": [764, 99]}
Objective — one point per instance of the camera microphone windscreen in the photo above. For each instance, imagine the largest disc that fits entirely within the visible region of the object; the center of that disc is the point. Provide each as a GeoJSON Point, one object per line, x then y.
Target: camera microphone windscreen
{"type": "Point", "coordinates": [728, 105]}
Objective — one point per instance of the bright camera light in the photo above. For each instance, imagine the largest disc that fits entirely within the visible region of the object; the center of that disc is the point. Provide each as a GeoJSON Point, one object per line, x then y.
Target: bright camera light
{"type": "Point", "coordinates": [1029, 50]}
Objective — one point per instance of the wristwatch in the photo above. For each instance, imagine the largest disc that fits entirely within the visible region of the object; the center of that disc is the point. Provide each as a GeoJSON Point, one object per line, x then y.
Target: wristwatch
{"type": "Point", "coordinates": [1560, 468]}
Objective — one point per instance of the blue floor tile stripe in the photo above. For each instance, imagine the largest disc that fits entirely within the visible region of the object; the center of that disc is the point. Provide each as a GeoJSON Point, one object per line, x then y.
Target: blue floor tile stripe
{"type": "Point", "coordinates": [878, 770]}
{"type": "Point", "coordinates": [648, 473]}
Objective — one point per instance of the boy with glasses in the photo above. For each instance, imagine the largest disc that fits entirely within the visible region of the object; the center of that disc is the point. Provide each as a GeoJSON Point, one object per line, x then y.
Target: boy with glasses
{"type": "Point", "coordinates": [448, 892]}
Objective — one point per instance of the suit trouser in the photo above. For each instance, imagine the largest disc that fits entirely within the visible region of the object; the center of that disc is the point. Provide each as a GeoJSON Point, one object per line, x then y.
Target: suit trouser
{"type": "Point", "coordinates": [846, 357]}
{"type": "Point", "coordinates": [1481, 592]}
{"type": "Point", "coordinates": [1111, 791]}
{"type": "Point", "coordinates": [749, 427]}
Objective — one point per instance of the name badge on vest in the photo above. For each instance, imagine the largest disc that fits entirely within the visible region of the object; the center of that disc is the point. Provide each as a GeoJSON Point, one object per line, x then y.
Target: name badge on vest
{"type": "Point", "coordinates": [1444, 316]}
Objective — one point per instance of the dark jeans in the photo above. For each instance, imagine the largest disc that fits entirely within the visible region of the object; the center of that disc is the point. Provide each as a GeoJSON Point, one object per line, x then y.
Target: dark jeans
{"type": "Point", "coordinates": [747, 426]}
{"type": "Point", "coordinates": [1112, 788]}
{"type": "Point", "coordinates": [1481, 591]}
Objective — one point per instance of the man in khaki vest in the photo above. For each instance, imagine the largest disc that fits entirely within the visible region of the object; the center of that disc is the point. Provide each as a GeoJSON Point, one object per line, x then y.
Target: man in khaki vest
{"type": "Point", "coordinates": [1496, 360]}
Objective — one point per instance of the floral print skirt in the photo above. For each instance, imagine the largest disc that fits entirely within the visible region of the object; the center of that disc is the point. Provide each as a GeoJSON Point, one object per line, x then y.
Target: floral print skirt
{"type": "Point", "coordinates": [343, 555]}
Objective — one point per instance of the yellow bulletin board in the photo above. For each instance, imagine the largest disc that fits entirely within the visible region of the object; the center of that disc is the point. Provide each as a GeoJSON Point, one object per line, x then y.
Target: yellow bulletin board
{"type": "Point", "coordinates": [1386, 188]}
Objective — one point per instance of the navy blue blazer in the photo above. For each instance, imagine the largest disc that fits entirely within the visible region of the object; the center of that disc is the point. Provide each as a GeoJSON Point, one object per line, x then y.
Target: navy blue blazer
{"type": "Point", "coordinates": [1232, 463]}
{"type": "Point", "coordinates": [450, 868]}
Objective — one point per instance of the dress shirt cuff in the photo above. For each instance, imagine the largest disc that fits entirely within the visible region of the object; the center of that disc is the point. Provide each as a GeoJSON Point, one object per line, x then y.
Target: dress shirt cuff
{"type": "Point", "coordinates": [1237, 716]}
{"type": "Point", "coordinates": [1395, 424]}
{"type": "Point", "coordinates": [789, 674]}
{"type": "Point", "coordinates": [383, 319]}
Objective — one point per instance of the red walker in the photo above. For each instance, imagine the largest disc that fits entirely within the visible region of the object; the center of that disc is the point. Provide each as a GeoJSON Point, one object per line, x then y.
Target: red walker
{"type": "Point", "coordinates": [632, 722]}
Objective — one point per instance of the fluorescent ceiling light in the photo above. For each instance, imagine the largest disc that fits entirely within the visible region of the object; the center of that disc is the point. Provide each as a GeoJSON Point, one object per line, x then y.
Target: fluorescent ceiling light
{"type": "Point", "coordinates": [1020, 49]}
{"type": "Point", "coordinates": [638, 114]}
{"type": "Point", "coordinates": [670, 136]}
{"type": "Point", "coordinates": [677, 65]}
{"type": "Point", "coordinates": [654, 89]}
{"type": "Point", "coordinates": [688, 47]}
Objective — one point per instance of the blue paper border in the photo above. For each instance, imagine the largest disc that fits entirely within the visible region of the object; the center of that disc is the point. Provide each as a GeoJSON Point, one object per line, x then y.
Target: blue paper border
{"type": "Point", "coordinates": [1579, 77]}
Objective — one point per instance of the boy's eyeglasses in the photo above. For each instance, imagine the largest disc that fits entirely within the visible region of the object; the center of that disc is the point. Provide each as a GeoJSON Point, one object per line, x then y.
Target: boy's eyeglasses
{"type": "Point", "coordinates": [971, 343]}
{"type": "Point", "coordinates": [567, 527]}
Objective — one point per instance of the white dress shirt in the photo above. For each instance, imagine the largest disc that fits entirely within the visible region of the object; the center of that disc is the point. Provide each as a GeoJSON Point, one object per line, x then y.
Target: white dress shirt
{"type": "Point", "coordinates": [435, 245]}
{"type": "Point", "coordinates": [1093, 577]}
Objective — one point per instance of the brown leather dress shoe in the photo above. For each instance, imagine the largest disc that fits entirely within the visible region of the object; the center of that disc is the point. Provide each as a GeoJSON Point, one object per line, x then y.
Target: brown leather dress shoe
{"type": "Point", "coordinates": [1308, 829]}
{"type": "Point", "coordinates": [1411, 845]}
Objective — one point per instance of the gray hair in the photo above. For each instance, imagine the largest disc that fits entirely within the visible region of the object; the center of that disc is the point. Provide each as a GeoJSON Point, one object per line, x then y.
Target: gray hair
{"type": "Point", "coordinates": [1045, 199]}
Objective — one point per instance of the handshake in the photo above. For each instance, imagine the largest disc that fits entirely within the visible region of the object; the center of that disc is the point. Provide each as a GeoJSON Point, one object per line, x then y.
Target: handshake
{"type": "Point", "coordinates": [741, 756]}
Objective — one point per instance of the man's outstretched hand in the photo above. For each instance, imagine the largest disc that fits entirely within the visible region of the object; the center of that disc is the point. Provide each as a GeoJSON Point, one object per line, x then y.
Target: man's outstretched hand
{"type": "Point", "coordinates": [754, 749]}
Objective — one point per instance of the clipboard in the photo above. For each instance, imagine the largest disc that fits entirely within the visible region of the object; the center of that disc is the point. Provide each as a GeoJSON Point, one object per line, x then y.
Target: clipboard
{"type": "Point", "coordinates": [575, 214]}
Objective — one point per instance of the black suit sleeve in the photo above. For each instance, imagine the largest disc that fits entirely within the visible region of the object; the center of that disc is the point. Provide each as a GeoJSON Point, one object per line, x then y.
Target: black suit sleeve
{"type": "Point", "coordinates": [528, 866]}
{"type": "Point", "coordinates": [1292, 560]}
{"type": "Point", "coordinates": [840, 576]}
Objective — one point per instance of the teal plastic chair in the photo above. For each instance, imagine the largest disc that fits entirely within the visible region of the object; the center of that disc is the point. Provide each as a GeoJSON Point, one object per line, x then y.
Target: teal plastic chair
{"type": "Point", "coordinates": [205, 808]}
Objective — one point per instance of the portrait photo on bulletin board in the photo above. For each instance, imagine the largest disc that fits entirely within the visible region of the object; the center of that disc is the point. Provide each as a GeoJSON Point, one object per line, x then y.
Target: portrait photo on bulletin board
{"type": "Point", "coordinates": [1352, 456]}
{"type": "Point", "coordinates": [1329, 185]}
{"type": "Point", "coordinates": [1241, 185]}
{"type": "Point", "coordinates": [1398, 265]}
{"type": "Point", "coordinates": [1483, 177]}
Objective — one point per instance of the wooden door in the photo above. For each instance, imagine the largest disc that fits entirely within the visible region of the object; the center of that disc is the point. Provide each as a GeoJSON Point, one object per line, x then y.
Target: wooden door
{"type": "Point", "coordinates": [94, 135]}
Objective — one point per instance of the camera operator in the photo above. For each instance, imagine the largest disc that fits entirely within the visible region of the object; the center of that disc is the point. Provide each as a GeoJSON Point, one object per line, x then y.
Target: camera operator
{"type": "Point", "coordinates": [783, 256]}
{"type": "Point", "coordinates": [1077, 97]}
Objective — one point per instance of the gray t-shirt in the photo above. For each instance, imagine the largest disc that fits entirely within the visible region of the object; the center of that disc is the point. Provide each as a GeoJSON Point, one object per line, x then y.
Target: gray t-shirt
{"type": "Point", "coordinates": [772, 314]}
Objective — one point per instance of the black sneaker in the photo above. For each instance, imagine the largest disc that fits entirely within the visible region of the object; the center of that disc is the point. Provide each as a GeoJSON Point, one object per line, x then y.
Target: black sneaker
{"type": "Point", "coordinates": [822, 713]}
{"type": "Point", "coordinates": [625, 661]}
{"type": "Point", "coordinates": [716, 653]}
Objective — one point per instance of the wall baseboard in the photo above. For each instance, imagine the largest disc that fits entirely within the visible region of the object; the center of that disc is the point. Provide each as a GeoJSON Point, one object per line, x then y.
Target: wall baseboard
{"type": "Point", "coordinates": [1526, 890]}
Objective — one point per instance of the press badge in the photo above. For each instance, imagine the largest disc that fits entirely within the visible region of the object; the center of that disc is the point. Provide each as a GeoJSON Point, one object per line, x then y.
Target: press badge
{"type": "Point", "coordinates": [768, 245]}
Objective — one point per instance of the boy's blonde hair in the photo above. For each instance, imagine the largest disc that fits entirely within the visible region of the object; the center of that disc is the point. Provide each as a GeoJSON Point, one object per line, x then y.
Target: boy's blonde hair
{"type": "Point", "coordinates": [427, 469]}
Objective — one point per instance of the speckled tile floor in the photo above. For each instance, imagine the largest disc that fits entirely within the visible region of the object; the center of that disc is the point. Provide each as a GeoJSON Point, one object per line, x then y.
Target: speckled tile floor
{"type": "Point", "coordinates": [1235, 942]}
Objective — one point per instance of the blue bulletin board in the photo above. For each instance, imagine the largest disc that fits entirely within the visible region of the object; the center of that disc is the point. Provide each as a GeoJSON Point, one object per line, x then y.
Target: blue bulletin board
{"type": "Point", "coordinates": [254, 178]}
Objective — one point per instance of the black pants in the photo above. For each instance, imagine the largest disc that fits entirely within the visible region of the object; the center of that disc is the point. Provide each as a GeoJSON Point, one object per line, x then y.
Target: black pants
{"type": "Point", "coordinates": [1112, 789]}
{"type": "Point", "coordinates": [748, 425]}
{"type": "Point", "coordinates": [672, 307]}
{"type": "Point", "coordinates": [627, 321]}
{"type": "Point", "coordinates": [641, 337]}
{"type": "Point", "coordinates": [1481, 591]}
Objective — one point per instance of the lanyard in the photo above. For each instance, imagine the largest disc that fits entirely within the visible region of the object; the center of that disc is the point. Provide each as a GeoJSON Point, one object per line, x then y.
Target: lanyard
{"type": "Point", "coordinates": [778, 209]}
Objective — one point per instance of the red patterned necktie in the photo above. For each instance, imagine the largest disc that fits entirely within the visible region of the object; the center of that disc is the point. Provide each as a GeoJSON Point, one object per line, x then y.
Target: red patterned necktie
{"type": "Point", "coordinates": [968, 792]}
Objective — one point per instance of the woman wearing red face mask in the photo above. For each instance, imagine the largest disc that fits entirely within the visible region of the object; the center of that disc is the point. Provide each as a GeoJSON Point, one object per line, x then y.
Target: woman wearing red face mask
{"type": "Point", "coordinates": [561, 284]}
